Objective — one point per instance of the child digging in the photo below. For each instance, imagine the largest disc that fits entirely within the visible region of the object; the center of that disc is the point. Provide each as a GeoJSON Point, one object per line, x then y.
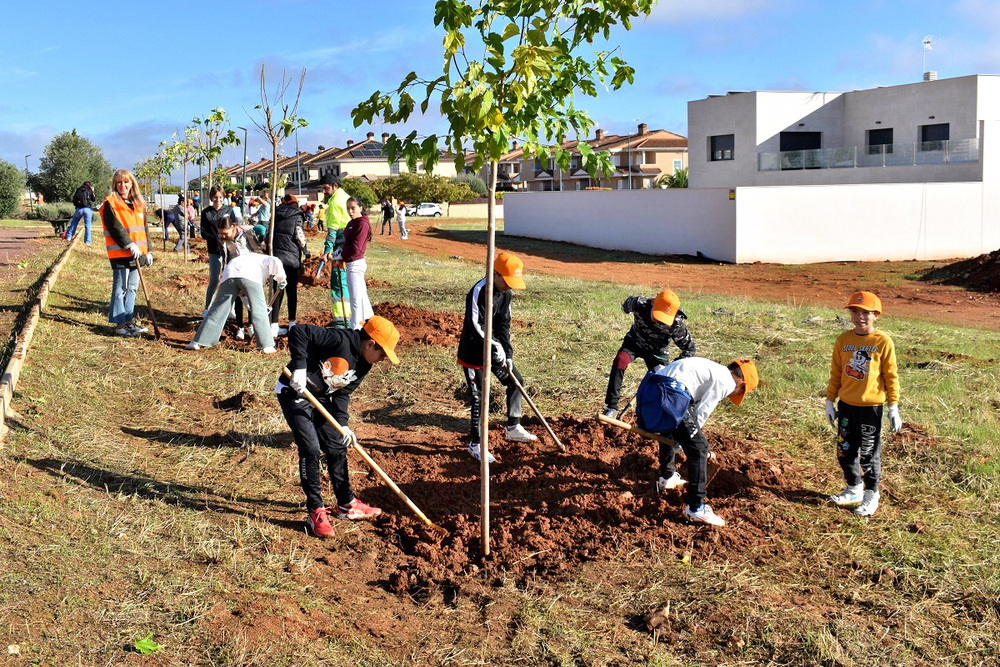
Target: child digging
{"type": "Point", "coordinates": [863, 377]}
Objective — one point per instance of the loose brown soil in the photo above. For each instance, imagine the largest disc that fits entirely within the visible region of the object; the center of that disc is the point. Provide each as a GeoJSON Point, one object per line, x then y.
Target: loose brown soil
{"type": "Point", "coordinates": [980, 273]}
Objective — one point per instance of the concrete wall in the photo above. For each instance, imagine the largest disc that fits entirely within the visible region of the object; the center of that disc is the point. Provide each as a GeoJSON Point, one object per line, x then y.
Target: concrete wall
{"type": "Point", "coordinates": [471, 210]}
{"type": "Point", "coordinates": [895, 221]}
{"type": "Point", "coordinates": [655, 222]}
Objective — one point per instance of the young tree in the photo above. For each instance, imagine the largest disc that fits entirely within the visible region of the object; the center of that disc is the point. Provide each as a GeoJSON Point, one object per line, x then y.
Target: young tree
{"type": "Point", "coordinates": [208, 136]}
{"type": "Point", "coordinates": [11, 189]}
{"type": "Point", "coordinates": [182, 151]}
{"type": "Point", "coordinates": [511, 69]}
{"type": "Point", "coordinates": [68, 161]}
{"type": "Point", "coordinates": [276, 129]}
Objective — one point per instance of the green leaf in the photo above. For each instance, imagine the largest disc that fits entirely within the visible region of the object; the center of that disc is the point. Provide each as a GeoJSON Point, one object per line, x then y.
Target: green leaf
{"type": "Point", "coordinates": [146, 645]}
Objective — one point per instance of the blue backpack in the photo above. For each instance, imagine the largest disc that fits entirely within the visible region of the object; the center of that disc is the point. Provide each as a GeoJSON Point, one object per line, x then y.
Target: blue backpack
{"type": "Point", "coordinates": [660, 403]}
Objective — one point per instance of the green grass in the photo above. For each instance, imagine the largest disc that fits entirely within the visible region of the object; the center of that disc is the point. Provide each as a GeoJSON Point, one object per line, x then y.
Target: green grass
{"type": "Point", "coordinates": [128, 505]}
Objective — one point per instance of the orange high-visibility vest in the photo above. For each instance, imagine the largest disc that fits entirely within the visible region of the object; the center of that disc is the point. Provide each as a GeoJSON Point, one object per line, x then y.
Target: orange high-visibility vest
{"type": "Point", "coordinates": [134, 222]}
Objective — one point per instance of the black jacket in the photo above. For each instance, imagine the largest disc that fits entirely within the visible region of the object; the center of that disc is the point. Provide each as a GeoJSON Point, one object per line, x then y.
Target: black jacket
{"type": "Point", "coordinates": [470, 345]}
{"type": "Point", "coordinates": [286, 245]}
{"type": "Point", "coordinates": [83, 197]}
{"type": "Point", "coordinates": [210, 217]}
{"type": "Point", "coordinates": [310, 346]}
{"type": "Point", "coordinates": [647, 337]}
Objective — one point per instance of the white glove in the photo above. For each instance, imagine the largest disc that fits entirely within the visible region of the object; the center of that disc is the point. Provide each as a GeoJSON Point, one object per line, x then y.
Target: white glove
{"type": "Point", "coordinates": [831, 413]}
{"type": "Point", "coordinates": [298, 381]}
{"type": "Point", "coordinates": [499, 356]}
{"type": "Point", "coordinates": [146, 260]}
{"type": "Point", "coordinates": [134, 250]}
{"type": "Point", "coordinates": [895, 421]}
{"type": "Point", "coordinates": [348, 439]}
{"type": "Point", "coordinates": [282, 285]}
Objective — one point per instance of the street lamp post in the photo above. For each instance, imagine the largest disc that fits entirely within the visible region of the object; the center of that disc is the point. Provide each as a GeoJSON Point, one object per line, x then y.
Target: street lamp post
{"type": "Point", "coordinates": [31, 196]}
{"type": "Point", "coordinates": [243, 193]}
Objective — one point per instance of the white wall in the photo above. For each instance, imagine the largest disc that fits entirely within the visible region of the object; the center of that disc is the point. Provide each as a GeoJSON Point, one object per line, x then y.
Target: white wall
{"type": "Point", "coordinates": [655, 222]}
{"type": "Point", "coordinates": [895, 221]}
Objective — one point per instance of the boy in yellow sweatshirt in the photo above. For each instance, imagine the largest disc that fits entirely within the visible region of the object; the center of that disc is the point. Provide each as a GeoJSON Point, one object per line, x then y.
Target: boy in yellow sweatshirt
{"type": "Point", "coordinates": [863, 376]}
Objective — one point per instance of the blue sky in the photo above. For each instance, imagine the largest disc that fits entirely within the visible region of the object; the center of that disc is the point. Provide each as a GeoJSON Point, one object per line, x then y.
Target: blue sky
{"type": "Point", "coordinates": [127, 75]}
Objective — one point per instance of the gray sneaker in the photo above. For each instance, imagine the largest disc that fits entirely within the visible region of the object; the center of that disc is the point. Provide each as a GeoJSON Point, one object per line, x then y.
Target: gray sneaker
{"type": "Point", "coordinates": [869, 504]}
{"type": "Point", "coordinates": [137, 329]}
{"type": "Point", "coordinates": [126, 331]}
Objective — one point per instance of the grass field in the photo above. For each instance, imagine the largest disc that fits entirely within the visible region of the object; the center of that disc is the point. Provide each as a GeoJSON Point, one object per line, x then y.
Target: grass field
{"type": "Point", "coordinates": [120, 517]}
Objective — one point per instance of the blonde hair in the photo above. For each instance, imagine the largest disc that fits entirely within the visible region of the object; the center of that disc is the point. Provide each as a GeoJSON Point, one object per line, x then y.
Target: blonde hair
{"type": "Point", "coordinates": [126, 175]}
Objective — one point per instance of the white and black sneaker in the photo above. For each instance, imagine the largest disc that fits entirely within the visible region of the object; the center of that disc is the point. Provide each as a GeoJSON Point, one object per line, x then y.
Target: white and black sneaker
{"type": "Point", "coordinates": [476, 452]}
{"type": "Point", "coordinates": [869, 504]}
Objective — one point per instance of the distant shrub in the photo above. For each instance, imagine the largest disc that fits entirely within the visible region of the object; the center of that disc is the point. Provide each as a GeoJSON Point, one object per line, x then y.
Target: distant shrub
{"type": "Point", "coordinates": [475, 183]}
{"type": "Point", "coordinates": [11, 189]}
{"type": "Point", "coordinates": [56, 211]}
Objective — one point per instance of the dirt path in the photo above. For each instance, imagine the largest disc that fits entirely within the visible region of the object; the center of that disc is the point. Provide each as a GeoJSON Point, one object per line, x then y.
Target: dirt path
{"type": "Point", "coordinates": [18, 245]}
{"type": "Point", "coordinates": [821, 284]}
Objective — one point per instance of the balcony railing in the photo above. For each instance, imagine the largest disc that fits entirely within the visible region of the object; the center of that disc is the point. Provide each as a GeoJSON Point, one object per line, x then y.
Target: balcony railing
{"type": "Point", "coordinates": [882, 155]}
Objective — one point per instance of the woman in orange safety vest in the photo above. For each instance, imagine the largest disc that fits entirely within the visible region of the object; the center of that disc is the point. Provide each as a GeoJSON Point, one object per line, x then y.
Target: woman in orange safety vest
{"type": "Point", "coordinates": [123, 216]}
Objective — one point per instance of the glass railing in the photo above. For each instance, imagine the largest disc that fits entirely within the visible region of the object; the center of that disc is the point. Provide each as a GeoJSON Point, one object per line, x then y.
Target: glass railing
{"type": "Point", "coordinates": [883, 155]}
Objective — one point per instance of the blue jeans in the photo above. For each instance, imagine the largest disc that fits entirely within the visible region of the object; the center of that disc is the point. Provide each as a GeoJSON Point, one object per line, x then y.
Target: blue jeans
{"type": "Point", "coordinates": [211, 327]}
{"type": "Point", "coordinates": [87, 214]}
{"type": "Point", "coordinates": [214, 270]}
{"type": "Point", "coordinates": [124, 283]}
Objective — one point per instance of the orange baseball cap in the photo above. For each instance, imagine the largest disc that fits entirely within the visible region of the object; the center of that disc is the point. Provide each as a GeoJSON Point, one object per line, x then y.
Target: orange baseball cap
{"type": "Point", "coordinates": [665, 307]}
{"type": "Point", "coordinates": [750, 379]}
{"type": "Point", "coordinates": [865, 301]}
{"type": "Point", "coordinates": [384, 332]}
{"type": "Point", "coordinates": [510, 267]}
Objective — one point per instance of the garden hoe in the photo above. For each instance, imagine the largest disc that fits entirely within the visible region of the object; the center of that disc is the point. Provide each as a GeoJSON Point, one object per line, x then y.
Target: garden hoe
{"type": "Point", "coordinates": [149, 306]}
{"type": "Point", "coordinates": [562, 448]}
{"type": "Point", "coordinates": [712, 468]}
{"type": "Point", "coordinates": [369, 460]}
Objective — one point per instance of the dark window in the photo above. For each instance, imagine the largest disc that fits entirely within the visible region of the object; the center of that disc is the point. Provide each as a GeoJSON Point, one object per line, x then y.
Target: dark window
{"type": "Point", "coordinates": [799, 141]}
{"type": "Point", "coordinates": [880, 141]}
{"type": "Point", "coordinates": [721, 147]}
{"type": "Point", "coordinates": [933, 137]}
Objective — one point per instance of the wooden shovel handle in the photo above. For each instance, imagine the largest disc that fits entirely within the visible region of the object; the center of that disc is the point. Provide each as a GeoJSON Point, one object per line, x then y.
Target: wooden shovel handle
{"type": "Point", "coordinates": [635, 429]}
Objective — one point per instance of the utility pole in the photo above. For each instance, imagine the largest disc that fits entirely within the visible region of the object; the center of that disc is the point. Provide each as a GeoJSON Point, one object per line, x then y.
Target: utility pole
{"type": "Point", "coordinates": [243, 193]}
{"type": "Point", "coordinates": [31, 195]}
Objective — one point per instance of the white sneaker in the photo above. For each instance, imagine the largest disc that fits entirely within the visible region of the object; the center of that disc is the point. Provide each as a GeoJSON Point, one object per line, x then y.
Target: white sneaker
{"type": "Point", "coordinates": [232, 313]}
{"type": "Point", "coordinates": [516, 433]}
{"type": "Point", "coordinates": [193, 346]}
{"type": "Point", "coordinates": [268, 350]}
{"type": "Point", "coordinates": [474, 451]}
{"type": "Point", "coordinates": [869, 504]}
{"type": "Point", "coordinates": [704, 514]}
{"type": "Point", "coordinates": [275, 330]}
{"type": "Point", "coordinates": [126, 330]}
{"type": "Point", "coordinates": [671, 482]}
{"type": "Point", "coordinates": [137, 329]}
{"type": "Point", "coordinates": [851, 495]}
{"type": "Point", "coordinates": [250, 331]}
{"type": "Point", "coordinates": [240, 334]}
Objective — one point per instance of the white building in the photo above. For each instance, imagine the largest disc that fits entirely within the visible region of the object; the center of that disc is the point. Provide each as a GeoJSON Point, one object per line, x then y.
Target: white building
{"type": "Point", "coordinates": [901, 172]}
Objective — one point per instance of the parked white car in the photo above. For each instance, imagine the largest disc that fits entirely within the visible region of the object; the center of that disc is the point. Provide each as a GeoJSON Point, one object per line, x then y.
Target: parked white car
{"type": "Point", "coordinates": [425, 209]}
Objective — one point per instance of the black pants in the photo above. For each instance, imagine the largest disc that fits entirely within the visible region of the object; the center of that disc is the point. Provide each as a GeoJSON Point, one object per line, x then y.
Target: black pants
{"type": "Point", "coordinates": [474, 379]}
{"type": "Point", "coordinates": [691, 439]}
{"type": "Point", "coordinates": [291, 291]}
{"type": "Point", "coordinates": [387, 221]}
{"type": "Point", "coordinates": [859, 444]}
{"type": "Point", "coordinates": [314, 435]}
{"type": "Point", "coordinates": [626, 355]}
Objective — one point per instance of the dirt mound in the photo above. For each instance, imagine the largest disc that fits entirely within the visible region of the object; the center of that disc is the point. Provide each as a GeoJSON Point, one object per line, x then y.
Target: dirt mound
{"type": "Point", "coordinates": [551, 510]}
{"type": "Point", "coordinates": [238, 402]}
{"type": "Point", "coordinates": [313, 274]}
{"type": "Point", "coordinates": [980, 273]}
{"type": "Point", "coordinates": [422, 327]}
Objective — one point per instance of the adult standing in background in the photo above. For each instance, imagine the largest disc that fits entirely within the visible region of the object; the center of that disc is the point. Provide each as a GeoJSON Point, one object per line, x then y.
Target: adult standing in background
{"type": "Point", "coordinates": [210, 218]}
{"type": "Point", "coordinates": [264, 212]}
{"type": "Point", "coordinates": [126, 237]}
{"type": "Point", "coordinates": [83, 200]}
{"type": "Point", "coordinates": [336, 220]}
{"type": "Point", "coordinates": [387, 215]}
{"type": "Point", "coordinates": [289, 246]}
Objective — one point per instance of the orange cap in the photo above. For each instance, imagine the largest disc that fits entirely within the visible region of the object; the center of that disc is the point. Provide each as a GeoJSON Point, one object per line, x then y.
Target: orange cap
{"type": "Point", "coordinates": [383, 332]}
{"type": "Point", "coordinates": [750, 380]}
{"type": "Point", "coordinates": [510, 267]}
{"type": "Point", "coordinates": [865, 301]}
{"type": "Point", "coordinates": [665, 307]}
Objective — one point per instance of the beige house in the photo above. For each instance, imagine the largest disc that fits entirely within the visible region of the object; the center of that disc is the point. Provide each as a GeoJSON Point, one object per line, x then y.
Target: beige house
{"type": "Point", "coordinates": [640, 159]}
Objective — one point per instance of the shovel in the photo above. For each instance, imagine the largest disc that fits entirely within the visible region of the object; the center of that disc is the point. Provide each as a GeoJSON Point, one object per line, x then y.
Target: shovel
{"type": "Point", "coordinates": [369, 460]}
{"type": "Point", "coordinates": [712, 467]}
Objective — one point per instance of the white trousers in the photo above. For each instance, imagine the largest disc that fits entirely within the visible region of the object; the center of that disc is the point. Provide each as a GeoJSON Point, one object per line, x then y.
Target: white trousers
{"type": "Point", "coordinates": [361, 307]}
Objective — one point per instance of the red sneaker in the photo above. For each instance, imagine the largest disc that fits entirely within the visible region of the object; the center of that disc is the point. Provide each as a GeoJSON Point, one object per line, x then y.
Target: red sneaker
{"type": "Point", "coordinates": [357, 510]}
{"type": "Point", "coordinates": [319, 522]}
